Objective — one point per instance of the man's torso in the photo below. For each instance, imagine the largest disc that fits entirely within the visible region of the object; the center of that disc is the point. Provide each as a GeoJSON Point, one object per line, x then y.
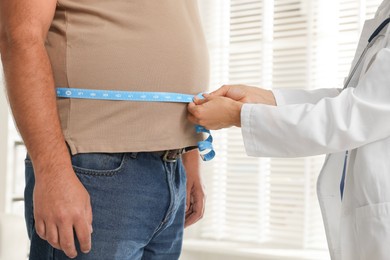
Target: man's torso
{"type": "Point", "coordinates": [142, 45]}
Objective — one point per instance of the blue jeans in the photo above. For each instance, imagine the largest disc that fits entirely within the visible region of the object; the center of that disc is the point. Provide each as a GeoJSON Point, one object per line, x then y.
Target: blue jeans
{"type": "Point", "coordinates": [138, 205]}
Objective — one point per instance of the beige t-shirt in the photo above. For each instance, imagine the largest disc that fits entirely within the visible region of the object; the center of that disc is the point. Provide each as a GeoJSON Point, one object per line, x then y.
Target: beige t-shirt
{"type": "Point", "coordinates": [132, 45]}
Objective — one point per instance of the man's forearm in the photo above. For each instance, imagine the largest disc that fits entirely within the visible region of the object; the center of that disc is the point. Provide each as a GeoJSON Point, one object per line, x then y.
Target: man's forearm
{"type": "Point", "coordinates": [61, 203]}
{"type": "Point", "coordinates": [31, 93]}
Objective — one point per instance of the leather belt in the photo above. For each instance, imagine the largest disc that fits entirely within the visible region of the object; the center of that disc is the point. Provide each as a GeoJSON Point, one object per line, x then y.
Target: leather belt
{"type": "Point", "coordinates": [171, 156]}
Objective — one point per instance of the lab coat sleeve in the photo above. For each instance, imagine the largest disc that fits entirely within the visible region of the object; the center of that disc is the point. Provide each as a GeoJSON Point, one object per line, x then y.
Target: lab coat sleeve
{"type": "Point", "coordinates": [351, 119]}
{"type": "Point", "coordinates": [299, 96]}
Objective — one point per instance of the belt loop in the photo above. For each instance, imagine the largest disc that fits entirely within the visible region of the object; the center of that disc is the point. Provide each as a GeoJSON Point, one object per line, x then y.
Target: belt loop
{"type": "Point", "coordinates": [133, 155]}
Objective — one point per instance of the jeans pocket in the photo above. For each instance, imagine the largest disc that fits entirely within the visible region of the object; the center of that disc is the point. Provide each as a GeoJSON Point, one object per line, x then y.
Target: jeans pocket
{"type": "Point", "coordinates": [373, 231]}
{"type": "Point", "coordinates": [98, 164]}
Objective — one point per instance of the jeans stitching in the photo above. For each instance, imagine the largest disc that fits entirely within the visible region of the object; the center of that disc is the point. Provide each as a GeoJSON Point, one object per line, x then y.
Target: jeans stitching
{"type": "Point", "coordinates": [171, 207]}
{"type": "Point", "coordinates": [172, 192]}
{"type": "Point", "coordinates": [103, 173]}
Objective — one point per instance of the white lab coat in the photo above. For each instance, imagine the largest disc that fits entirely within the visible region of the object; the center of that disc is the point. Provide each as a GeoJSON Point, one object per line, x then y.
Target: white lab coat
{"type": "Point", "coordinates": [331, 121]}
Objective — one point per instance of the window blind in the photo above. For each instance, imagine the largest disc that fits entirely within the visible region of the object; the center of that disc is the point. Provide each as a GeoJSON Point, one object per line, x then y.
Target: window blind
{"type": "Point", "coordinates": [273, 44]}
{"type": "Point", "coordinates": [291, 180]}
{"type": "Point", "coordinates": [234, 181]}
{"type": "Point", "coordinates": [352, 14]}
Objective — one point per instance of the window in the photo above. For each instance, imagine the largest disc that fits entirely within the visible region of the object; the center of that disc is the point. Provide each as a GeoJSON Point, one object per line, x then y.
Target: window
{"type": "Point", "coordinates": [12, 152]}
{"type": "Point", "coordinates": [274, 44]}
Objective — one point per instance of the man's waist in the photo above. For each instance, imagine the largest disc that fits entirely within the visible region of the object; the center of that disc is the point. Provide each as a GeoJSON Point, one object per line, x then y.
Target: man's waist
{"type": "Point", "coordinates": [171, 155]}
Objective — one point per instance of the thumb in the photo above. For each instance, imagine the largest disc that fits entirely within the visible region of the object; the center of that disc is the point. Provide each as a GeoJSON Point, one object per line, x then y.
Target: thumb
{"type": "Point", "coordinates": [222, 91]}
{"type": "Point", "coordinates": [230, 91]}
{"type": "Point", "coordinates": [200, 101]}
{"type": "Point", "coordinates": [206, 98]}
{"type": "Point", "coordinates": [235, 93]}
{"type": "Point", "coordinates": [191, 107]}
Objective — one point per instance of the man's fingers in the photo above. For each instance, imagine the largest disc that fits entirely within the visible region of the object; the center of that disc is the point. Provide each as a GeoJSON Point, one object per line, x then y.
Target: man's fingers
{"type": "Point", "coordinates": [199, 205]}
{"type": "Point", "coordinates": [191, 219]}
{"type": "Point", "coordinates": [52, 235]}
{"type": "Point", "coordinates": [83, 232]}
{"type": "Point", "coordinates": [89, 215]}
{"type": "Point", "coordinates": [67, 240]}
{"type": "Point", "coordinates": [188, 197]}
{"type": "Point", "coordinates": [40, 228]}
{"type": "Point", "coordinates": [197, 210]}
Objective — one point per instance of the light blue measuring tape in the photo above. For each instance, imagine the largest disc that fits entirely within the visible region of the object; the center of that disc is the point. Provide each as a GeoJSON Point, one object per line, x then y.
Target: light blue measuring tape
{"type": "Point", "coordinates": [205, 147]}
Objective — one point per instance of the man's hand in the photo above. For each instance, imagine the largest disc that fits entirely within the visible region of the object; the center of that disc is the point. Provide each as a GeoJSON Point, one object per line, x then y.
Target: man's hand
{"type": "Point", "coordinates": [215, 112]}
{"type": "Point", "coordinates": [61, 207]}
{"type": "Point", "coordinates": [61, 203]}
{"type": "Point", "coordinates": [195, 200]}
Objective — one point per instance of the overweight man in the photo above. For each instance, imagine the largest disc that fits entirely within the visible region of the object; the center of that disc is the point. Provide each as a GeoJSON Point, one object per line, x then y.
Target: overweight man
{"type": "Point", "coordinates": [105, 179]}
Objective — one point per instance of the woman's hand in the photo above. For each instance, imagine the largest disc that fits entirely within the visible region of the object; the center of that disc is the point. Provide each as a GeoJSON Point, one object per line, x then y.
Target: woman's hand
{"type": "Point", "coordinates": [215, 112]}
{"type": "Point", "coordinates": [222, 108]}
{"type": "Point", "coordinates": [246, 94]}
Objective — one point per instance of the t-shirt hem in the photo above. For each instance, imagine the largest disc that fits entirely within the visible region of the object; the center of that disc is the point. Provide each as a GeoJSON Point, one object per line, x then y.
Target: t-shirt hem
{"type": "Point", "coordinates": [127, 147]}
